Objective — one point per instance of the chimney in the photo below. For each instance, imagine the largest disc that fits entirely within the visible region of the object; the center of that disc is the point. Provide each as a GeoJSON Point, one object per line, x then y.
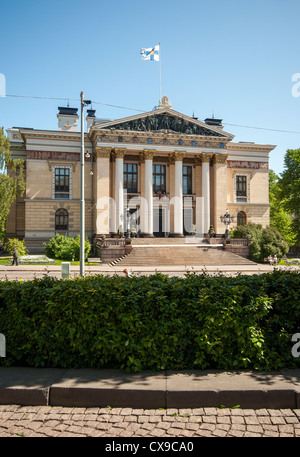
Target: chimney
{"type": "Point", "coordinates": [67, 119]}
{"type": "Point", "coordinates": [214, 122]}
{"type": "Point", "coordinates": [90, 118]}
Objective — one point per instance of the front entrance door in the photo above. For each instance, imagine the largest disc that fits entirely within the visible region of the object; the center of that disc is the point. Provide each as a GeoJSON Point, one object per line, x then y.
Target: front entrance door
{"type": "Point", "coordinates": [159, 222]}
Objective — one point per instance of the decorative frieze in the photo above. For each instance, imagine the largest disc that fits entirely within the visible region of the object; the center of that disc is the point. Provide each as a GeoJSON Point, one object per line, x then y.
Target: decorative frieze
{"type": "Point", "coordinates": [247, 164]}
{"type": "Point", "coordinates": [53, 155]}
{"type": "Point", "coordinates": [158, 139]}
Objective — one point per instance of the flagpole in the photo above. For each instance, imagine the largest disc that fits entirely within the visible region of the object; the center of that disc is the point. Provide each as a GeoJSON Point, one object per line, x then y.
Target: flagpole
{"type": "Point", "coordinates": [159, 75]}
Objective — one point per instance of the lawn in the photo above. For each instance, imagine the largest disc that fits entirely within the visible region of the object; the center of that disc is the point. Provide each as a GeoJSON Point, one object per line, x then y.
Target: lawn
{"type": "Point", "coordinates": [41, 261]}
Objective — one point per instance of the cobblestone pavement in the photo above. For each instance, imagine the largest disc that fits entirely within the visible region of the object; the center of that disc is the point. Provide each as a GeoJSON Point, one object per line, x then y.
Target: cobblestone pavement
{"type": "Point", "coordinates": [47, 421]}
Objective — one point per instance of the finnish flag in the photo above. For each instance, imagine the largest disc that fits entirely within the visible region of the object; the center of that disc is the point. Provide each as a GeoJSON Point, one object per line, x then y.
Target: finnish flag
{"type": "Point", "coordinates": [150, 53]}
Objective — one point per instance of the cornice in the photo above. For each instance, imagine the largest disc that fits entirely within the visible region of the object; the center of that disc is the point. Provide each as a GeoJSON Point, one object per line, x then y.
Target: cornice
{"type": "Point", "coordinates": [52, 134]}
{"type": "Point", "coordinates": [250, 147]}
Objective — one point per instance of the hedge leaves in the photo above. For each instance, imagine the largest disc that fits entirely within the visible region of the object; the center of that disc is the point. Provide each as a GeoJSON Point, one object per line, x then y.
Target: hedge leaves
{"type": "Point", "coordinates": [152, 323]}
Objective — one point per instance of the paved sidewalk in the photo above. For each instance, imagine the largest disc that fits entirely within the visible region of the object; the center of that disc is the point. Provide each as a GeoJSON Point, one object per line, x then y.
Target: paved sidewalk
{"type": "Point", "coordinates": [29, 272]}
{"type": "Point", "coordinates": [167, 389]}
{"type": "Point", "coordinates": [45, 421]}
{"type": "Point", "coordinates": [37, 402]}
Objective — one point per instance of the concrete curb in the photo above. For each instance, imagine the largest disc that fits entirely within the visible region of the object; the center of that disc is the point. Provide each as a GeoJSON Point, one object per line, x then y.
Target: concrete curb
{"type": "Point", "coordinates": [116, 388]}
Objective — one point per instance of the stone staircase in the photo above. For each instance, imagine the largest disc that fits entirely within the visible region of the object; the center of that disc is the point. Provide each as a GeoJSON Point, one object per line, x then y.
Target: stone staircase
{"type": "Point", "coordinates": [178, 252]}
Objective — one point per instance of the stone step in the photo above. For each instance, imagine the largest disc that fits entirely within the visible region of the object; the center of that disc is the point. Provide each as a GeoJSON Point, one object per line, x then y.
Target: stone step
{"type": "Point", "coordinates": [181, 255]}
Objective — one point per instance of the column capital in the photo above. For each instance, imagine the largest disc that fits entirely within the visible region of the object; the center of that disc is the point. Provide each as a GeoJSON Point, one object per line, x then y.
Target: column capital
{"type": "Point", "coordinates": [148, 154]}
{"type": "Point", "coordinates": [103, 153]}
{"type": "Point", "coordinates": [119, 153]}
{"type": "Point", "coordinates": [206, 157]}
{"type": "Point", "coordinates": [178, 156]}
{"type": "Point", "coordinates": [220, 158]}
{"type": "Point", "coordinates": [197, 160]}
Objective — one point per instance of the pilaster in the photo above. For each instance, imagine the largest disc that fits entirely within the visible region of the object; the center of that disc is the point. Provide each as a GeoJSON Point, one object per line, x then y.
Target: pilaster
{"type": "Point", "coordinates": [220, 190]}
{"type": "Point", "coordinates": [102, 190]}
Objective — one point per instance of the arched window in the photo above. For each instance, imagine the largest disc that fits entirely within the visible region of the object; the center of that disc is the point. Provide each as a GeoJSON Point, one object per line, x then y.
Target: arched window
{"type": "Point", "coordinates": [61, 219]}
{"type": "Point", "coordinates": [241, 218]}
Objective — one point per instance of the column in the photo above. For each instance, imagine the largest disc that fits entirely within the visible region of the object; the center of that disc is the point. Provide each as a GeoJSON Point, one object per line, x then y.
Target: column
{"type": "Point", "coordinates": [119, 191]}
{"type": "Point", "coordinates": [206, 190]}
{"type": "Point", "coordinates": [178, 194]}
{"type": "Point", "coordinates": [220, 190]}
{"type": "Point", "coordinates": [148, 203]}
{"type": "Point", "coordinates": [102, 191]}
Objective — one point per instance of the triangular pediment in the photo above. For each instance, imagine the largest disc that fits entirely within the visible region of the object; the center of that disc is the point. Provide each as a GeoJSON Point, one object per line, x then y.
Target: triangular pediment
{"type": "Point", "coordinates": [165, 121]}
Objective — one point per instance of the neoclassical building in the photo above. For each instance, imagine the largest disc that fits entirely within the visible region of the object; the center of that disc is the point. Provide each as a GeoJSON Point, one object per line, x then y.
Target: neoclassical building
{"type": "Point", "coordinates": [161, 172]}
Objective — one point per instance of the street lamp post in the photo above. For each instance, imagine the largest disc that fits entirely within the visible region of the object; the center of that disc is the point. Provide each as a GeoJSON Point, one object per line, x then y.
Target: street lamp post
{"type": "Point", "coordinates": [227, 219]}
{"type": "Point", "coordinates": [128, 233]}
{"type": "Point", "coordinates": [82, 202]}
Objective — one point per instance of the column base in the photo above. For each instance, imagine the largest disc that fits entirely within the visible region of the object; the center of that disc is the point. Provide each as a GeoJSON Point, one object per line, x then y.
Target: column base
{"type": "Point", "coordinates": [177, 235]}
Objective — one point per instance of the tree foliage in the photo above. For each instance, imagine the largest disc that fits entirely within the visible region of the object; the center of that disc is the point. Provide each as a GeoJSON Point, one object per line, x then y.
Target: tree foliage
{"type": "Point", "coordinates": [279, 216]}
{"type": "Point", "coordinates": [290, 188]}
{"type": "Point", "coordinates": [12, 183]}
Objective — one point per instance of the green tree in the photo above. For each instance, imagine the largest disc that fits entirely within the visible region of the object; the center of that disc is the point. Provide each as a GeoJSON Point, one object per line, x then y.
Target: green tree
{"type": "Point", "coordinates": [290, 188]}
{"type": "Point", "coordinates": [280, 219]}
{"type": "Point", "coordinates": [12, 183]}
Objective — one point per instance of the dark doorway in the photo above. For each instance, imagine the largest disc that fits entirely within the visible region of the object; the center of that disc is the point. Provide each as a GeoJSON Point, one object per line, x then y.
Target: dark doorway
{"type": "Point", "coordinates": [159, 222]}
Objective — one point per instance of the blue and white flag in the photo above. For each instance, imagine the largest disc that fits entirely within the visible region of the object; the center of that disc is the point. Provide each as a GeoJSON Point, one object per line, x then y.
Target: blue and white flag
{"type": "Point", "coordinates": [150, 53]}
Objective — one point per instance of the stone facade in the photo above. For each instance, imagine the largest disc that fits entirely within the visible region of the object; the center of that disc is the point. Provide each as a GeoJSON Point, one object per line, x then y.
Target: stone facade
{"type": "Point", "coordinates": [173, 173]}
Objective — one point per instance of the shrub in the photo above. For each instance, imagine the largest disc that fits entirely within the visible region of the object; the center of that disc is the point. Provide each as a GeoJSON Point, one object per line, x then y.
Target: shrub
{"type": "Point", "coordinates": [66, 248]}
{"type": "Point", "coordinates": [152, 323]}
{"type": "Point", "coordinates": [264, 241]}
{"type": "Point", "coordinates": [14, 243]}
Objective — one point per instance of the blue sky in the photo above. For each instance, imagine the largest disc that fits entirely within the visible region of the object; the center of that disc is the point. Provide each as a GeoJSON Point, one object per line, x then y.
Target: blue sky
{"type": "Point", "coordinates": [234, 59]}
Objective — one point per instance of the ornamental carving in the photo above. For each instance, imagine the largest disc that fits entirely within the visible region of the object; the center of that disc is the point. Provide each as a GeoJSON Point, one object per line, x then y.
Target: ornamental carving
{"type": "Point", "coordinates": [178, 156]}
{"type": "Point", "coordinates": [247, 164]}
{"type": "Point", "coordinates": [220, 158]}
{"type": "Point", "coordinates": [103, 153]}
{"type": "Point", "coordinates": [197, 160]}
{"type": "Point", "coordinates": [119, 153]}
{"type": "Point", "coordinates": [148, 154]}
{"type": "Point", "coordinates": [164, 123]}
{"type": "Point", "coordinates": [206, 158]}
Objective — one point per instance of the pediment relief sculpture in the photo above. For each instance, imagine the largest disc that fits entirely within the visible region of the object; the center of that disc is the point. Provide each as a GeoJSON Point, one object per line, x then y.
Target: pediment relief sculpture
{"type": "Point", "coordinates": [163, 122]}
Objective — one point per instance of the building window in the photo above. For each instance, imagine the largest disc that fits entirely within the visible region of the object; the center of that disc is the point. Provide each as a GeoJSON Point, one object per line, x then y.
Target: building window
{"type": "Point", "coordinates": [62, 183]}
{"type": "Point", "coordinates": [61, 219]}
{"type": "Point", "coordinates": [159, 178]}
{"type": "Point", "coordinates": [194, 143]}
{"type": "Point", "coordinates": [241, 188]}
{"type": "Point", "coordinates": [187, 183]}
{"type": "Point", "coordinates": [149, 140]}
{"type": "Point", "coordinates": [131, 178]}
{"type": "Point", "coordinates": [241, 218]}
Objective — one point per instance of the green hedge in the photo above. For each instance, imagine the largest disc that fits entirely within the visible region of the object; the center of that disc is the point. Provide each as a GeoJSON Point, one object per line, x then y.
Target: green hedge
{"type": "Point", "coordinates": [152, 323]}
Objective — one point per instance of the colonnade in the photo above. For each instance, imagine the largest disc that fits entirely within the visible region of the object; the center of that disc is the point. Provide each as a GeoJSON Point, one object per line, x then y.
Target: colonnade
{"type": "Point", "coordinates": [146, 206]}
